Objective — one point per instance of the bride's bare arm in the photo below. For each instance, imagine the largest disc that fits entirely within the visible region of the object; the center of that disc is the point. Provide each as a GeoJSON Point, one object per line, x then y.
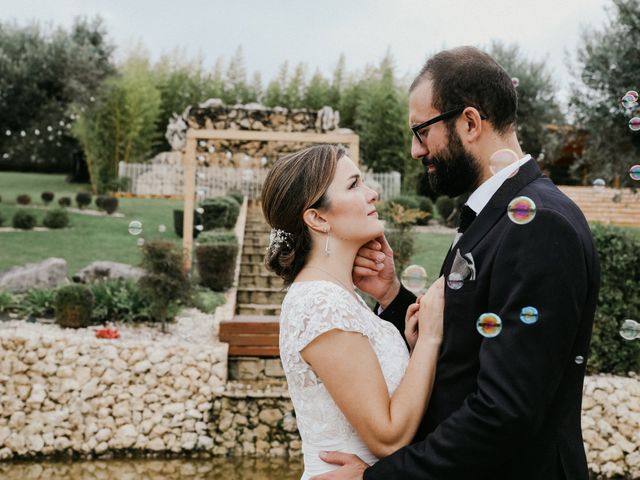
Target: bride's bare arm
{"type": "Point", "coordinates": [349, 368]}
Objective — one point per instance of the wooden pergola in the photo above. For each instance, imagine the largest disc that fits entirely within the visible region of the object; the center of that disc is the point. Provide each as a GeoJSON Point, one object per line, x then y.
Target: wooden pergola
{"type": "Point", "coordinates": [189, 163]}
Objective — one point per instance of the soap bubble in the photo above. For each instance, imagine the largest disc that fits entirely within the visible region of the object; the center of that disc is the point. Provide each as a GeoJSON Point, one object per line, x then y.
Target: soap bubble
{"type": "Point", "coordinates": [501, 159]}
{"type": "Point", "coordinates": [521, 210]}
{"type": "Point", "coordinates": [634, 172]}
{"type": "Point", "coordinates": [162, 228]}
{"type": "Point", "coordinates": [634, 124]}
{"type": "Point", "coordinates": [515, 81]}
{"type": "Point", "coordinates": [630, 330]}
{"type": "Point", "coordinates": [529, 315]}
{"type": "Point", "coordinates": [599, 183]}
{"type": "Point", "coordinates": [140, 242]}
{"type": "Point", "coordinates": [629, 101]}
{"type": "Point", "coordinates": [489, 325]}
{"type": "Point", "coordinates": [455, 281]}
{"type": "Point", "coordinates": [579, 360]}
{"type": "Point", "coordinates": [414, 278]}
{"type": "Point", "coordinates": [632, 93]}
{"type": "Point", "coordinates": [135, 227]}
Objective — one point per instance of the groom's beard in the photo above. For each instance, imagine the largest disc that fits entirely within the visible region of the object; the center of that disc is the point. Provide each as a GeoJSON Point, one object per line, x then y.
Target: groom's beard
{"type": "Point", "coordinates": [456, 170]}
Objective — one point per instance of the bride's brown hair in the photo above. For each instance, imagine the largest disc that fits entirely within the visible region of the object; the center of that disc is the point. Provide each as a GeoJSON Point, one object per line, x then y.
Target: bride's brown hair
{"type": "Point", "coordinates": [296, 183]}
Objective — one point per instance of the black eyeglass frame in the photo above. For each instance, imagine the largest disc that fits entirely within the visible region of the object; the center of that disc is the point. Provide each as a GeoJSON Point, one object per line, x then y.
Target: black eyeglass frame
{"type": "Point", "coordinates": [443, 116]}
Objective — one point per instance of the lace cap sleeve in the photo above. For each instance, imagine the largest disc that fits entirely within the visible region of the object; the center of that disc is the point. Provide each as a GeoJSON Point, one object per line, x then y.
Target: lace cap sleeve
{"type": "Point", "coordinates": [322, 307]}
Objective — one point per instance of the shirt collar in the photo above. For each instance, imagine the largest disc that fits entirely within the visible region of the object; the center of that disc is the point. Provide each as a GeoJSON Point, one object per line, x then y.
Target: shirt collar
{"type": "Point", "coordinates": [481, 195]}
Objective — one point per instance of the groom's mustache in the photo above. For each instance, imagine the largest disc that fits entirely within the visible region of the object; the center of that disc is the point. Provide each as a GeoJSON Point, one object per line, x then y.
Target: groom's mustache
{"type": "Point", "coordinates": [427, 162]}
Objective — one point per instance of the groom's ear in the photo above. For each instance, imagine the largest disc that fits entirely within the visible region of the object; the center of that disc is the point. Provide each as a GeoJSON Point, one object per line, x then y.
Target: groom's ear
{"type": "Point", "coordinates": [472, 122]}
{"type": "Point", "coordinates": [315, 221]}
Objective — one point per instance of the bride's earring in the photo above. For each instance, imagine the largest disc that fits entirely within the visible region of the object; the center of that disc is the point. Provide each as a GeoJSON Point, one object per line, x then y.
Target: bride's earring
{"type": "Point", "coordinates": [327, 247]}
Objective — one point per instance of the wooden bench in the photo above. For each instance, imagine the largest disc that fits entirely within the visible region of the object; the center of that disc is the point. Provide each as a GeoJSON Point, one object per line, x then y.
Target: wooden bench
{"type": "Point", "coordinates": [251, 336]}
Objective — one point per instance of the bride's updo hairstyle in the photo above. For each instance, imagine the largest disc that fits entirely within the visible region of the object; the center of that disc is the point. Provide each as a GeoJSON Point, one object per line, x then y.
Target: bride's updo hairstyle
{"type": "Point", "coordinates": [296, 183]}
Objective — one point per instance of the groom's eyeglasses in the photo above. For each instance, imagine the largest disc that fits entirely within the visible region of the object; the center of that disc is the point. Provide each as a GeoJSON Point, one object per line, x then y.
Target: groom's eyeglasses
{"type": "Point", "coordinates": [417, 129]}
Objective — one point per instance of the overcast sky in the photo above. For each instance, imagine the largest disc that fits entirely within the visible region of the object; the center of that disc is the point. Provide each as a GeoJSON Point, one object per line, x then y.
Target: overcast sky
{"type": "Point", "coordinates": [316, 33]}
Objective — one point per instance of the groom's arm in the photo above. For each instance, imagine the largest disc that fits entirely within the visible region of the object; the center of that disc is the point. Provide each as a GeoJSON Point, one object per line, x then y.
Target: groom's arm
{"type": "Point", "coordinates": [542, 265]}
{"type": "Point", "coordinates": [395, 312]}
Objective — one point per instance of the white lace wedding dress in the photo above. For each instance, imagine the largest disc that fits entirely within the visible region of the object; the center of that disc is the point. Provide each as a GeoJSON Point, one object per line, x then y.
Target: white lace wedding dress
{"type": "Point", "coordinates": [310, 309]}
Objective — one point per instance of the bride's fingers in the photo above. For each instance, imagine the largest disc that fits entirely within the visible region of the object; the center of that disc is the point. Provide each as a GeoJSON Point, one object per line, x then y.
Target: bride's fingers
{"type": "Point", "coordinates": [368, 263]}
{"type": "Point", "coordinates": [364, 272]}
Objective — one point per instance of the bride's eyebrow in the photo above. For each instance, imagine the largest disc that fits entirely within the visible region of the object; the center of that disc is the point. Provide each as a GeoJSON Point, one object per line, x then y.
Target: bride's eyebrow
{"type": "Point", "coordinates": [355, 175]}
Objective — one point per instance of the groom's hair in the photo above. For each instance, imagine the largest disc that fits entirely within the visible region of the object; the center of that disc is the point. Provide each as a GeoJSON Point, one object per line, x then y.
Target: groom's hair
{"type": "Point", "coordinates": [467, 76]}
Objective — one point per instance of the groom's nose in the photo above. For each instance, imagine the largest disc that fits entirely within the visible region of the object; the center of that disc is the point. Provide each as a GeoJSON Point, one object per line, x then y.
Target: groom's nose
{"type": "Point", "coordinates": [419, 150]}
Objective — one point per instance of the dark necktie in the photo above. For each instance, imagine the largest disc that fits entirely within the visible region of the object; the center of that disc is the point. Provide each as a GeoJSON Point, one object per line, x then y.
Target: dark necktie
{"type": "Point", "coordinates": [467, 215]}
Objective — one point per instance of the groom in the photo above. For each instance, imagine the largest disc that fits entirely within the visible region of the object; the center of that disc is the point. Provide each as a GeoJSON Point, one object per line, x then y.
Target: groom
{"type": "Point", "coordinates": [506, 399]}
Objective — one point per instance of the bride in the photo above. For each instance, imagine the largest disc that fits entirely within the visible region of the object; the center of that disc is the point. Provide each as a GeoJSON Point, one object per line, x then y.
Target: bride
{"type": "Point", "coordinates": [354, 384]}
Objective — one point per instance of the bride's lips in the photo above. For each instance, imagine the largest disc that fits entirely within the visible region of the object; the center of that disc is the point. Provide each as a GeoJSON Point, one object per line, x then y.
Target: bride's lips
{"type": "Point", "coordinates": [371, 213]}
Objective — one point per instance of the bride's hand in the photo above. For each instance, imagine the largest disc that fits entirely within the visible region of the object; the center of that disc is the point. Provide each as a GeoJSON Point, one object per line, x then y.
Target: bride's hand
{"type": "Point", "coordinates": [411, 324]}
{"type": "Point", "coordinates": [431, 313]}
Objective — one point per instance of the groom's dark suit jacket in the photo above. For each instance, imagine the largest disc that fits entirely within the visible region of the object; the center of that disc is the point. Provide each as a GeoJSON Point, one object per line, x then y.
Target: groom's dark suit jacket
{"type": "Point", "coordinates": [508, 407]}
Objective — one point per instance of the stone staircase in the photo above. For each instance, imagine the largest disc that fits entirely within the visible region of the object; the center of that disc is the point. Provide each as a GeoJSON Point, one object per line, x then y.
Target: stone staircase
{"type": "Point", "coordinates": [607, 205]}
{"type": "Point", "coordinates": [255, 327]}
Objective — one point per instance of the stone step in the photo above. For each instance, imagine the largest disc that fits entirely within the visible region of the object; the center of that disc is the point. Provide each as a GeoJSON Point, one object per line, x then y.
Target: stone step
{"type": "Point", "coordinates": [248, 268]}
{"type": "Point", "coordinates": [257, 309]}
{"type": "Point", "coordinates": [262, 296]}
{"type": "Point", "coordinates": [253, 258]}
{"type": "Point", "coordinates": [260, 281]}
{"type": "Point", "coordinates": [254, 249]}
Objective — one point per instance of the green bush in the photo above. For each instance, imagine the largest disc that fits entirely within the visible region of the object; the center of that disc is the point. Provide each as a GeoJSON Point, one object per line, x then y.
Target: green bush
{"type": "Point", "coordinates": [2, 219]}
{"type": "Point", "coordinates": [57, 218]}
{"type": "Point", "coordinates": [237, 196]}
{"type": "Point", "coordinates": [205, 300]}
{"type": "Point", "coordinates": [178, 219]}
{"type": "Point", "coordinates": [407, 201]}
{"type": "Point", "coordinates": [24, 220]}
{"type": "Point", "coordinates": [216, 257]}
{"type": "Point", "coordinates": [425, 204]}
{"type": "Point", "coordinates": [23, 199]}
{"type": "Point", "coordinates": [64, 202]}
{"type": "Point", "coordinates": [619, 253]}
{"type": "Point", "coordinates": [119, 300]}
{"type": "Point", "coordinates": [165, 282]}
{"type": "Point", "coordinates": [110, 204]}
{"type": "Point", "coordinates": [220, 212]}
{"type": "Point", "coordinates": [83, 199]}
{"type": "Point", "coordinates": [98, 202]}
{"type": "Point", "coordinates": [7, 302]}
{"type": "Point", "coordinates": [73, 306]}
{"type": "Point", "coordinates": [37, 302]}
{"type": "Point", "coordinates": [445, 206]}
{"type": "Point", "coordinates": [47, 197]}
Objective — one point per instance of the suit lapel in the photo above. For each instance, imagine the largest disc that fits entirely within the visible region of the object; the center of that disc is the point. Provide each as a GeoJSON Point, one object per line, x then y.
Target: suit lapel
{"type": "Point", "coordinates": [494, 210]}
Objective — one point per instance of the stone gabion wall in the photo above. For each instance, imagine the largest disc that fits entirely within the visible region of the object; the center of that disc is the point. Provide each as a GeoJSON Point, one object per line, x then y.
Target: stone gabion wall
{"type": "Point", "coordinates": [64, 392]}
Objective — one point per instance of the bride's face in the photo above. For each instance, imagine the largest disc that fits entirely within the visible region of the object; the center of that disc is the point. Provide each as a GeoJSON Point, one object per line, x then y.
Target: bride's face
{"type": "Point", "coordinates": [352, 211]}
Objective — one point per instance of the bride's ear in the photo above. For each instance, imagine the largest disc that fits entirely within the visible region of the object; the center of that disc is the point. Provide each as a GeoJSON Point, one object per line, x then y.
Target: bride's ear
{"type": "Point", "coordinates": [315, 221]}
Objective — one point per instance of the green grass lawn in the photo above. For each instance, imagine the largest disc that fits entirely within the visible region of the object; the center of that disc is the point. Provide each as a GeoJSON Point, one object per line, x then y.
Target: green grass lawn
{"type": "Point", "coordinates": [430, 250]}
{"type": "Point", "coordinates": [89, 238]}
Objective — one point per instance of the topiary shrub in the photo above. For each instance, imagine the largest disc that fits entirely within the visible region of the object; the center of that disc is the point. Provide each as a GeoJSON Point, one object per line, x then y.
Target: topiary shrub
{"type": "Point", "coordinates": [57, 218]}
{"type": "Point", "coordinates": [74, 306]}
{"type": "Point", "coordinates": [109, 204]}
{"type": "Point", "coordinates": [23, 199]}
{"type": "Point", "coordinates": [64, 202]}
{"type": "Point", "coordinates": [445, 207]}
{"type": "Point", "coordinates": [83, 199]}
{"type": "Point", "coordinates": [47, 197]}
{"type": "Point", "coordinates": [236, 195]}
{"type": "Point", "coordinates": [2, 219]}
{"type": "Point", "coordinates": [216, 254]}
{"type": "Point", "coordinates": [220, 212]}
{"type": "Point", "coordinates": [425, 204]}
{"type": "Point", "coordinates": [619, 253]}
{"type": "Point", "coordinates": [23, 220]}
{"type": "Point", "coordinates": [178, 221]}
{"type": "Point", "coordinates": [165, 282]}
{"type": "Point", "coordinates": [98, 202]}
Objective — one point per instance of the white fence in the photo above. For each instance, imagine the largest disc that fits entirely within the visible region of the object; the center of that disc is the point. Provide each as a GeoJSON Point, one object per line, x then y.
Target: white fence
{"type": "Point", "coordinates": [149, 179]}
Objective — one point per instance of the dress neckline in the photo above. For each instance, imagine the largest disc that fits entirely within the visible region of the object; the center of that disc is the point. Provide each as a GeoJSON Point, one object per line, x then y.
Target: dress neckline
{"type": "Point", "coordinates": [358, 298]}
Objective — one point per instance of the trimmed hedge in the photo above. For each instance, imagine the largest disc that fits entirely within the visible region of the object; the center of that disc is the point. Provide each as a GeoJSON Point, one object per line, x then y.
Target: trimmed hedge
{"type": "Point", "coordinates": [178, 219]}
{"type": "Point", "coordinates": [445, 206]}
{"type": "Point", "coordinates": [237, 196]}
{"type": "Point", "coordinates": [57, 218]}
{"type": "Point", "coordinates": [23, 199]}
{"type": "Point", "coordinates": [47, 197]}
{"type": "Point", "coordinates": [73, 306]}
{"type": "Point", "coordinates": [64, 202]}
{"type": "Point", "coordinates": [2, 219]}
{"type": "Point", "coordinates": [216, 254]}
{"type": "Point", "coordinates": [107, 203]}
{"type": "Point", "coordinates": [24, 220]}
{"type": "Point", "coordinates": [619, 253]}
{"type": "Point", "coordinates": [220, 212]}
{"type": "Point", "coordinates": [425, 204]}
{"type": "Point", "coordinates": [83, 199]}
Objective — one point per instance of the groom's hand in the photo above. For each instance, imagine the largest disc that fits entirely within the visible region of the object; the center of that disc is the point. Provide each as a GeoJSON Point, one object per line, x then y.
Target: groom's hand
{"type": "Point", "coordinates": [351, 466]}
{"type": "Point", "coordinates": [374, 272]}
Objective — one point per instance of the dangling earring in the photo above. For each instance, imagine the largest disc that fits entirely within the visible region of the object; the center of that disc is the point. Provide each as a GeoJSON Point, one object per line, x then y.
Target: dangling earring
{"type": "Point", "coordinates": [327, 248]}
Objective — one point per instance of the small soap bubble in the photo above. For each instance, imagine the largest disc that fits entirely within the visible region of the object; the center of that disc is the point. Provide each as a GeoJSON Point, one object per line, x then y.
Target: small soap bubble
{"type": "Point", "coordinates": [489, 325]}
{"type": "Point", "coordinates": [414, 278]}
{"type": "Point", "coordinates": [632, 93]}
{"type": "Point", "coordinates": [634, 124]}
{"type": "Point", "coordinates": [515, 81]}
{"type": "Point", "coordinates": [135, 227]}
{"type": "Point", "coordinates": [634, 172]}
{"type": "Point", "coordinates": [579, 360]}
{"type": "Point", "coordinates": [529, 315]}
{"type": "Point", "coordinates": [628, 101]}
{"type": "Point", "coordinates": [501, 159]}
{"type": "Point", "coordinates": [521, 210]}
{"type": "Point", "coordinates": [455, 281]}
{"type": "Point", "coordinates": [140, 242]}
{"type": "Point", "coordinates": [630, 330]}
{"type": "Point", "coordinates": [162, 228]}
{"type": "Point", "coordinates": [599, 183]}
